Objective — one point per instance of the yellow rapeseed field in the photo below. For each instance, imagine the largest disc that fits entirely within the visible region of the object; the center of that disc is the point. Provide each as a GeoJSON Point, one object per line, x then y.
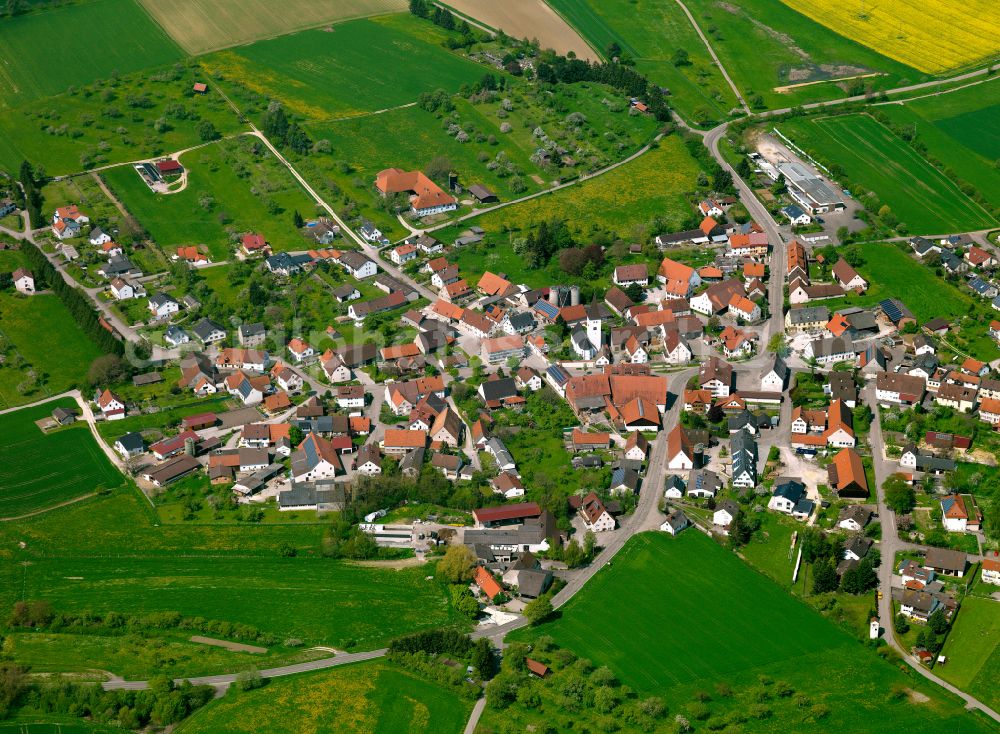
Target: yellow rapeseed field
{"type": "Point", "coordinates": [933, 36]}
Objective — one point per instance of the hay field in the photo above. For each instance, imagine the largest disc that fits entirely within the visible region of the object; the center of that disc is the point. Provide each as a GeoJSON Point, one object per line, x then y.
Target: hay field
{"type": "Point", "coordinates": [199, 26]}
{"type": "Point", "coordinates": [930, 35]}
{"type": "Point", "coordinates": [527, 19]}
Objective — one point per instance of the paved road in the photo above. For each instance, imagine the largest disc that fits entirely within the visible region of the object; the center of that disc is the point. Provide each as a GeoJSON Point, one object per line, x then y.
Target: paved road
{"type": "Point", "coordinates": [477, 711]}
{"type": "Point", "coordinates": [889, 545]}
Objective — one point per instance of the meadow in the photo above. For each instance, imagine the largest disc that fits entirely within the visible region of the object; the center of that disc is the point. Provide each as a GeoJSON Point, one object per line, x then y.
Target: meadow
{"type": "Point", "coordinates": [765, 45]}
{"type": "Point", "coordinates": [38, 335]}
{"type": "Point", "coordinates": [172, 409]}
{"type": "Point", "coordinates": [132, 117]}
{"type": "Point", "coordinates": [622, 201]}
{"type": "Point", "coordinates": [40, 470]}
{"type": "Point", "coordinates": [934, 36]}
{"type": "Point", "coordinates": [873, 157]}
{"type": "Point", "coordinates": [112, 553]}
{"type": "Point", "coordinates": [973, 650]}
{"type": "Point", "coordinates": [367, 697]}
{"type": "Point", "coordinates": [683, 619]}
{"type": "Point", "coordinates": [235, 186]}
{"type": "Point", "coordinates": [698, 90]}
{"type": "Point", "coordinates": [357, 67]}
{"type": "Point", "coordinates": [70, 726]}
{"type": "Point", "coordinates": [962, 130]}
{"type": "Point", "coordinates": [42, 54]}
{"type": "Point", "coordinates": [200, 26]}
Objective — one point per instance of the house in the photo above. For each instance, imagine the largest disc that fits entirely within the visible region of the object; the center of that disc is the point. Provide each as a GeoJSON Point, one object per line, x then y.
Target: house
{"type": "Point", "coordinates": [725, 513]}
{"type": "Point", "coordinates": [846, 475]}
{"type": "Point", "coordinates": [678, 280]}
{"type": "Point", "coordinates": [112, 407]}
{"type": "Point", "coordinates": [300, 350]}
{"type": "Point", "coordinates": [397, 442]}
{"type": "Point", "coordinates": [787, 494]}
{"type": "Point", "coordinates": [961, 398]}
{"type": "Point", "coordinates": [676, 349]}
{"type": "Point", "coordinates": [960, 514]}
{"type": "Point", "coordinates": [171, 471]}
{"type": "Point", "coordinates": [743, 457]}
{"type": "Point", "coordinates": [595, 515]}
{"type": "Point", "coordinates": [252, 335]}
{"type": "Point", "coordinates": [854, 518]}
{"type": "Point", "coordinates": [163, 306]}
{"type": "Point", "coordinates": [492, 517]}
{"type": "Point", "coordinates": [122, 290]}
{"type": "Point", "coordinates": [131, 444]}
{"type": "Point", "coordinates": [911, 458]}
{"type": "Point", "coordinates": [680, 451]}
{"type": "Point", "coordinates": [174, 336]}
{"type": "Point", "coordinates": [426, 197]}
{"type": "Point", "coordinates": [946, 562]}
{"type": "Point", "coordinates": [502, 348]}
{"type": "Point", "coordinates": [703, 483]}
{"type": "Point", "coordinates": [718, 297]}
{"type": "Point", "coordinates": [829, 350]}
{"type": "Point", "coordinates": [624, 481]}
{"type": "Point", "coordinates": [358, 265]}
{"type": "Point", "coordinates": [775, 377]}
{"type": "Point", "coordinates": [991, 571]}
{"type": "Point", "coordinates": [636, 447]}
{"type": "Point", "coordinates": [488, 585]}
{"type": "Point", "coordinates": [350, 397]}
{"type": "Point", "coordinates": [895, 388]}
{"type": "Point", "coordinates": [856, 548]}
{"type": "Point", "coordinates": [848, 278]}
{"type": "Point", "coordinates": [242, 359]}
{"type": "Point", "coordinates": [369, 231]}
{"type": "Point", "coordinates": [583, 441]}
{"type": "Point", "coordinates": [717, 377]}
{"type": "Point", "coordinates": [918, 605]}
{"type": "Point", "coordinates": [315, 459]}
{"type": "Point", "coordinates": [7, 207]}
{"type": "Point", "coordinates": [172, 446]}
{"type": "Point", "coordinates": [626, 275]}
{"type": "Point", "coordinates": [208, 332]}
{"type": "Point", "coordinates": [742, 307]}
{"type": "Point", "coordinates": [403, 254]}
{"type": "Point", "coordinates": [448, 428]}
{"type": "Point", "coordinates": [676, 522]}
{"type": "Point", "coordinates": [447, 464]}
{"type": "Point", "coordinates": [24, 281]}
{"type": "Point", "coordinates": [795, 215]}
{"type": "Point", "coordinates": [989, 411]}
{"type": "Point", "coordinates": [807, 318]}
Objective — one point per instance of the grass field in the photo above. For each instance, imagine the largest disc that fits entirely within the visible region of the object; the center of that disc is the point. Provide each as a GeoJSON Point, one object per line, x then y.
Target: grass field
{"type": "Point", "coordinates": [39, 470]}
{"type": "Point", "coordinates": [961, 129]}
{"type": "Point", "coordinates": [136, 116]}
{"type": "Point", "coordinates": [233, 187]}
{"type": "Point", "coordinates": [653, 185]}
{"type": "Point", "coordinates": [673, 617]}
{"type": "Point", "coordinates": [873, 157]}
{"type": "Point", "coordinates": [698, 90]}
{"type": "Point", "coordinates": [70, 726]}
{"type": "Point", "coordinates": [930, 35]}
{"type": "Point", "coordinates": [42, 54]}
{"type": "Point", "coordinates": [206, 25]}
{"type": "Point", "coordinates": [765, 45]}
{"type": "Point", "coordinates": [973, 650]}
{"type": "Point", "coordinates": [361, 66]}
{"type": "Point", "coordinates": [112, 554]}
{"type": "Point", "coordinates": [369, 697]}
{"type": "Point", "coordinates": [39, 335]}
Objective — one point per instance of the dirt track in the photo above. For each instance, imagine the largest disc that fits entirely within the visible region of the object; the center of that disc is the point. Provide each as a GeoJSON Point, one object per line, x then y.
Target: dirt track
{"type": "Point", "coordinates": [527, 19]}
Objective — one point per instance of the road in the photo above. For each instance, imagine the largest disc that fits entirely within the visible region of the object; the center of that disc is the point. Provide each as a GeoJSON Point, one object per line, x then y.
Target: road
{"type": "Point", "coordinates": [889, 545]}
{"type": "Point", "coordinates": [715, 58]}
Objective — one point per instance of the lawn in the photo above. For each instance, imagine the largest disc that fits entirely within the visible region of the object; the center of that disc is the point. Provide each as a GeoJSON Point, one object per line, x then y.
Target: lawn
{"type": "Point", "coordinates": [654, 185]}
{"type": "Point", "coordinates": [135, 656]}
{"type": "Point", "coordinates": [873, 157]}
{"type": "Point", "coordinates": [167, 417]}
{"type": "Point", "coordinates": [112, 554]}
{"type": "Point", "coordinates": [369, 697]}
{"type": "Point", "coordinates": [205, 25]}
{"type": "Point", "coordinates": [962, 130]}
{"type": "Point", "coordinates": [357, 67]}
{"type": "Point", "coordinates": [973, 650]}
{"type": "Point", "coordinates": [697, 90]}
{"type": "Point", "coordinates": [42, 54]}
{"type": "Point", "coordinates": [675, 616]}
{"type": "Point", "coordinates": [932, 35]}
{"type": "Point", "coordinates": [233, 187]}
{"type": "Point", "coordinates": [46, 354]}
{"type": "Point", "coordinates": [39, 470]}
{"type": "Point", "coordinates": [133, 117]}
{"type": "Point", "coordinates": [765, 45]}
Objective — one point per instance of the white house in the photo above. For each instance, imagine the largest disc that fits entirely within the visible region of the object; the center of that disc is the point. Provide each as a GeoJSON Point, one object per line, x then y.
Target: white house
{"type": "Point", "coordinates": [121, 289]}
{"type": "Point", "coordinates": [675, 348]}
{"type": "Point", "coordinates": [300, 350]}
{"type": "Point", "coordinates": [403, 254]}
{"type": "Point", "coordinates": [675, 523]}
{"type": "Point", "coordinates": [24, 281]}
{"type": "Point", "coordinates": [775, 378]}
{"type": "Point", "coordinates": [359, 265]}
{"type": "Point", "coordinates": [680, 453]}
{"type": "Point", "coordinates": [98, 236]}
{"type": "Point", "coordinates": [595, 515]}
{"type": "Point", "coordinates": [991, 571]}
{"type": "Point", "coordinates": [162, 306]}
{"type": "Point", "coordinates": [112, 407]}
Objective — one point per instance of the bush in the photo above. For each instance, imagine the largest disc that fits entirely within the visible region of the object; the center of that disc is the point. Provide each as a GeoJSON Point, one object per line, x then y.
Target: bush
{"type": "Point", "coordinates": [249, 680]}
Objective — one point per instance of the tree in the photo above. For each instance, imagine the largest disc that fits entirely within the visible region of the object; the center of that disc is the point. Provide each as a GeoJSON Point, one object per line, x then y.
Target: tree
{"type": "Point", "coordinates": [635, 292]}
{"type": "Point", "coordinates": [814, 544]}
{"type": "Point", "coordinates": [457, 564]}
{"type": "Point", "coordinates": [206, 131]}
{"type": "Point", "coordinates": [297, 220]}
{"type": "Point", "coordinates": [537, 610]}
{"type": "Point", "coordinates": [248, 680]}
{"type": "Point", "coordinates": [483, 659]}
{"type": "Point", "coordinates": [613, 50]}
{"type": "Point", "coordinates": [937, 622]}
{"type": "Point", "coordinates": [589, 544]}
{"type": "Point", "coordinates": [824, 576]}
{"type": "Point", "coordinates": [681, 58]}
{"type": "Point", "coordinates": [899, 495]}
{"type": "Point", "coordinates": [900, 624]}
{"type": "Point", "coordinates": [106, 369]}
{"type": "Point", "coordinates": [439, 168]}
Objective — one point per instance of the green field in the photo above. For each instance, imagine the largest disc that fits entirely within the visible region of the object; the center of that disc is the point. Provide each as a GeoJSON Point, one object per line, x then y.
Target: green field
{"type": "Point", "coordinates": [39, 470]}
{"type": "Point", "coordinates": [42, 54]}
{"type": "Point", "coordinates": [698, 91]}
{"type": "Point", "coordinates": [137, 116]}
{"type": "Point", "coordinates": [233, 187]}
{"type": "Point", "coordinates": [360, 66]}
{"type": "Point", "coordinates": [764, 45]}
{"type": "Point", "coordinates": [973, 650]}
{"type": "Point", "coordinates": [673, 617]}
{"type": "Point", "coordinates": [39, 335]}
{"type": "Point", "coordinates": [113, 554]}
{"type": "Point", "coordinates": [919, 195]}
{"type": "Point", "coordinates": [73, 726]}
{"type": "Point", "coordinates": [962, 130]}
{"type": "Point", "coordinates": [369, 697]}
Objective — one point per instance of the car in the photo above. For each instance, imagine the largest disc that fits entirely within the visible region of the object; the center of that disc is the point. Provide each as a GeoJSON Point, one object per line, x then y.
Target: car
{"type": "Point", "coordinates": [846, 193]}
{"type": "Point", "coordinates": [880, 595]}
{"type": "Point", "coordinates": [819, 220]}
